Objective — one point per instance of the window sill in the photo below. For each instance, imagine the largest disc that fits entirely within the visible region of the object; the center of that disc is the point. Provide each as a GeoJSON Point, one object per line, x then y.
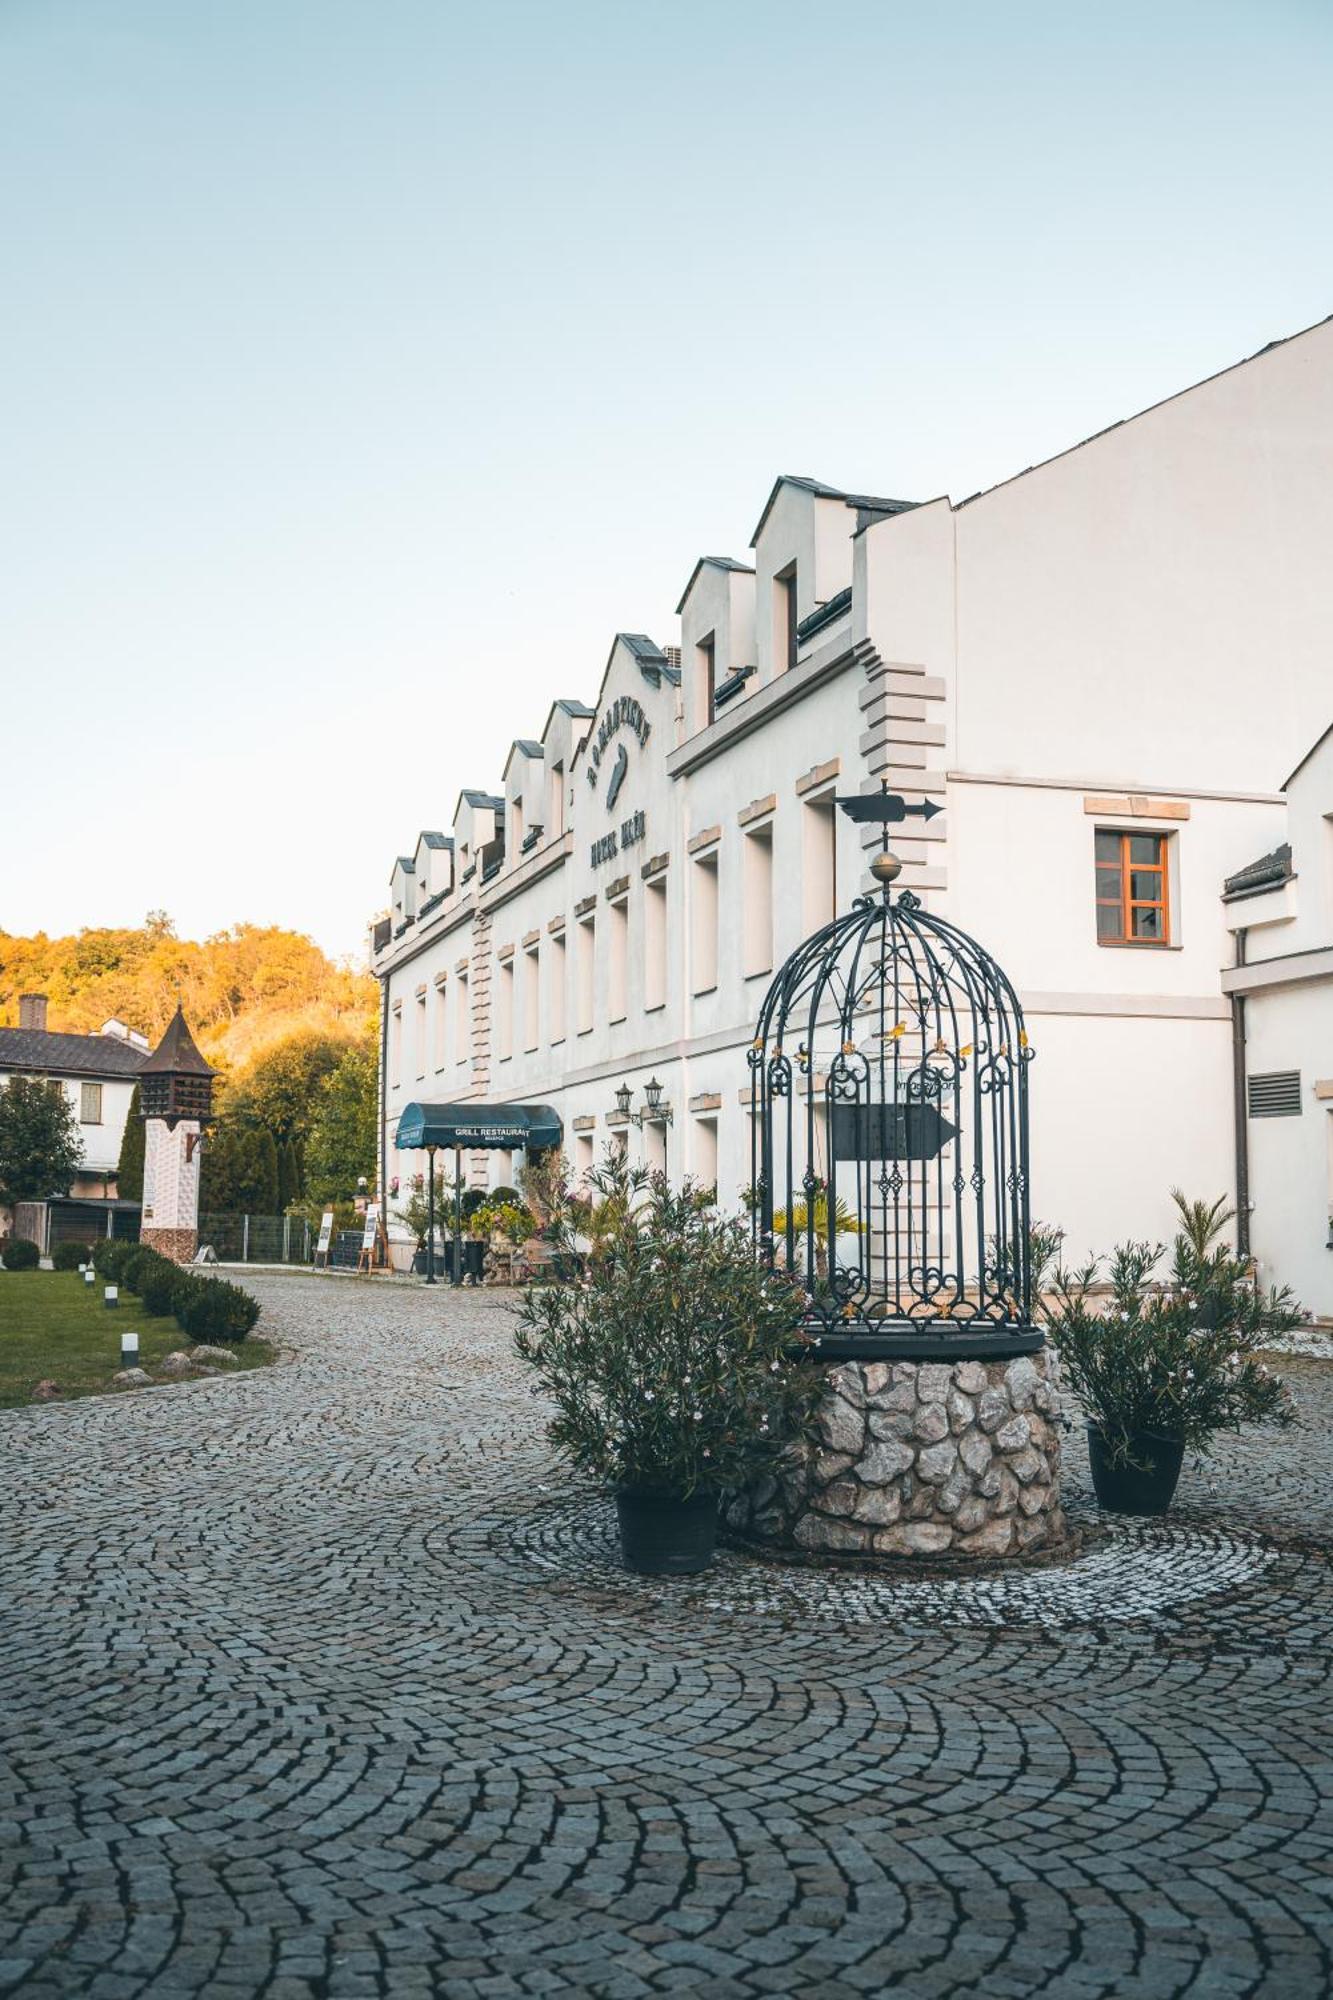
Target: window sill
{"type": "Point", "coordinates": [557, 1041]}
{"type": "Point", "coordinates": [658, 1007]}
{"type": "Point", "coordinates": [1138, 944]}
{"type": "Point", "coordinates": [760, 972]}
{"type": "Point", "coordinates": [615, 1021]}
{"type": "Point", "coordinates": [702, 992]}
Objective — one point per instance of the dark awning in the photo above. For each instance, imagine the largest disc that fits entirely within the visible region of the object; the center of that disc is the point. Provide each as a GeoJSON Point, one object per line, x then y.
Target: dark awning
{"type": "Point", "coordinates": [469, 1125]}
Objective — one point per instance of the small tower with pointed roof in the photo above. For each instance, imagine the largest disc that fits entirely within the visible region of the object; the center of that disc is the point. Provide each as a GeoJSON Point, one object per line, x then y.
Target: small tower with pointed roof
{"type": "Point", "coordinates": [176, 1098]}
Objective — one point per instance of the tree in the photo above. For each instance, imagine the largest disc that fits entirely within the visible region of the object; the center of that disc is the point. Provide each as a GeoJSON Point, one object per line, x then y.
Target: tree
{"type": "Point", "coordinates": [341, 1148]}
{"type": "Point", "coordinates": [286, 1175]}
{"type": "Point", "coordinates": [280, 1090]}
{"type": "Point", "coordinates": [265, 1156]}
{"type": "Point", "coordinates": [129, 1168]}
{"type": "Point", "coordinates": [40, 1147]}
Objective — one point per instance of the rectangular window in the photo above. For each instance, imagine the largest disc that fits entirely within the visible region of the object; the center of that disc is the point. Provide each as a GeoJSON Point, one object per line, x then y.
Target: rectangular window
{"type": "Point", "coordinates": [703, 1167]}
{"type": "Point", "coordinates": [703, 921]}
{"type": "Point", "coordinates": [531, 996]}
{"type": "Point", "coordinates": [441, 1019]}
{"type": "Point", "coordinates": [462, 1019]}
{"type": "Point", "coordinates": [421, 1034]}
{"type": "Point", "coordinates": [583, 1152]}
{"type": "Point", "coordinates": [555, 812]}
{"type": "Point", "coordinates": [396, 1046]}
{"type": "Point", "coordinates": [587, 960]}
{"type": "Point", "coordinates": [617, 982]}
{"type": "Point", "coordinates": [1133, 893]}
{"type": "Point", "coordinates": [90, 1104]}
{"type": "Point", "coordinates": [655, 944]}
{"type": "Point", "coordinates": [705, 680]}
{"type": "Point", "coordinates": [555, 987]}
{"type": "Point", "coordinates": [784, 621]}
{"type": "Point", "coordinates": [819, 865]}
{"type": "Point", "coordinates": [515, 828]}
{"type": "Point", "coordinates": [757, 894]}
{"type": "Point", "coordinates": [504, 1009]}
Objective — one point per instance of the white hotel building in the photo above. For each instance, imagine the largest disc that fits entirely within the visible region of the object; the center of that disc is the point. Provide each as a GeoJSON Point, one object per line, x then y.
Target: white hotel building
{"type": "Point", "coordinates": [1102, 670]}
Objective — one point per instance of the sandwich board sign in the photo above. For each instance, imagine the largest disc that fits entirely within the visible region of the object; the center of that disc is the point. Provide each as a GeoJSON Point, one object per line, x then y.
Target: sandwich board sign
{"type": "Point", "coordinates": [325, 1238]}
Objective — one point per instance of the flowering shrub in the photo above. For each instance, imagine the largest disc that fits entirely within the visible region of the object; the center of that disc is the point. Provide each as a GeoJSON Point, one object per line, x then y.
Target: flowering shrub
{"type": "Point", "coordinates": [1177, 1359]}
{"type": "Point", "coordinates": [673, 1365]}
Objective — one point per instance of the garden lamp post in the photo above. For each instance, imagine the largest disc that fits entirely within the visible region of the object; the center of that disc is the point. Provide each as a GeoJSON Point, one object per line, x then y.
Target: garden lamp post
{"type": "Point", "coordinates": [430, 1215]}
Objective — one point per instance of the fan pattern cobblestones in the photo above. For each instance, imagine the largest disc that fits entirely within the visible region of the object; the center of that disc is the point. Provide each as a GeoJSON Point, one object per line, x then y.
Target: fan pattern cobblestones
{"type": "Point", "coordinates": [321, 1682]}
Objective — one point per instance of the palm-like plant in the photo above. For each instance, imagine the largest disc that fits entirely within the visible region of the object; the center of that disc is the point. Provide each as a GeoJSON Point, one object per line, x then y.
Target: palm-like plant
{"type": "Point", "coordinates": [799, 1218]}
{"type": "Point", "coordinates": [1201, 1221]}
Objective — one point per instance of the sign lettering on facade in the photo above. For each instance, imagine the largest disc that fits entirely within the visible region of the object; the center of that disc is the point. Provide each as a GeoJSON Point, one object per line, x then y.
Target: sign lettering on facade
{"type": "Point", "coordinates": [629, 833]}
{"type": "Point", "coordinates": [625, 712]}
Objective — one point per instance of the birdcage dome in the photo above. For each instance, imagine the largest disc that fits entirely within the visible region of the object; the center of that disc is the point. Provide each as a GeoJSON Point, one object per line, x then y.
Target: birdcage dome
{"type": "Point", "coordinates": [889, 1102]}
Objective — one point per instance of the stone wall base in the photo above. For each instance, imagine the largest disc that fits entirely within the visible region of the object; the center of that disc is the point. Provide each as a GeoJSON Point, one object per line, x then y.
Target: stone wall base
{"type": "Point", "coordinates": [927, 1459]}
{"type": "Point", "coordinates": [178, 1244]}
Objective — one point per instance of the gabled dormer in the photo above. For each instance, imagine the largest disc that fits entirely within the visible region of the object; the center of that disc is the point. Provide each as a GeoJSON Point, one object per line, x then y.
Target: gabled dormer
{"type": "Point", "coordinates": [638, 690]}
{"type": "Point", "coordinates": [402, 894]}
{"type": "Point", "coordinates": [479, 819]}
{"type": "Point", "coordinates": [525, 801]}
{"type": "Point", "coordinates": [803, 565]}
{"type": "Point", "coordinates": [717, 638]}
{"type": "Point", "coordinates": [566, 731]}
{"type": "Point", "coordinates": [433, 867]}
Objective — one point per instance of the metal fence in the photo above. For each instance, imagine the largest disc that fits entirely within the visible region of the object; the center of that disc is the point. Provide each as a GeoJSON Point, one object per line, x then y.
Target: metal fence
{"type": "Point", "coordinates": [258, 1239]}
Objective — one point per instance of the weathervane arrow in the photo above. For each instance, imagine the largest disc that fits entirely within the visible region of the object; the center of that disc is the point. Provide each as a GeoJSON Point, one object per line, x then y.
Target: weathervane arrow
{"type": "Point", "coordinates": [886, 808]}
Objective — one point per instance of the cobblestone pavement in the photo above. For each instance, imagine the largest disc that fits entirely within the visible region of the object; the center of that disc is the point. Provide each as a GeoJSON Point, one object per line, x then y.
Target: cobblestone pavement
{"type": "Point", "coordinates": [321, 1682]}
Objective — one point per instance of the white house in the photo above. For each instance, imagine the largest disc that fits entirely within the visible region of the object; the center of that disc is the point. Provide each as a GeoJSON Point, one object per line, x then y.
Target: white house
{"type": "Point", "coordinates": [1280, 913]}
{"type": "Point", "coordinates": [1099, 670]}
{"type": "Point", "coordinates": [96, 1073]}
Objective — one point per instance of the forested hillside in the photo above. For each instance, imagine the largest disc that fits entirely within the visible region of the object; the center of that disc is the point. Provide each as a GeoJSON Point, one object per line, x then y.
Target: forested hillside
{"type": "Point", "coordinates": [242, 991]}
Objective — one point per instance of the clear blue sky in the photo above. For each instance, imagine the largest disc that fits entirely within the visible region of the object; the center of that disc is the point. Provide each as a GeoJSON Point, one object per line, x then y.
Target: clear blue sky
{"type": "Point", "coordinates": [368, 363]}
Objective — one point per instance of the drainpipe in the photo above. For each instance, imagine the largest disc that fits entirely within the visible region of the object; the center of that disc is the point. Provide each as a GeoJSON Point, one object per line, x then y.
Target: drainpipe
{"type": "Point", "coordinates": [383, 1093]}
{"type": "Point", "coordinates": [1241, 1113]}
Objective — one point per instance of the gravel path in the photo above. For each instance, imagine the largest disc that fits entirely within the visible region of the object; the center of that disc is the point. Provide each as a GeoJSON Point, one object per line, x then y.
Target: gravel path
{"type": "Point", "coordinates": [322, 1682]}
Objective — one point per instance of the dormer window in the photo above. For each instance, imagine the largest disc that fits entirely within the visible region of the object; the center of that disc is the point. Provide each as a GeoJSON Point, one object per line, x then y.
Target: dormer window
{"type": "Point", "coordinates": [516, 825]}
{"type": "Point", "coordinates": [555, 811]}
{"type": "Point", "coordinates": [705, 679]}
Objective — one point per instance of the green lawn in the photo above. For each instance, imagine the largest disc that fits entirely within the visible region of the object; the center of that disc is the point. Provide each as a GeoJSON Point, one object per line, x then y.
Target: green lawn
{"type": "Point", "coordinates": [54, 1327]}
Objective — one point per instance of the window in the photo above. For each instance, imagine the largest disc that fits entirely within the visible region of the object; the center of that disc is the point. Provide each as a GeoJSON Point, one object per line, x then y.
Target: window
{"type": "Point", "coordinates": [396, 1046]}
{"type": "Point", "coordinates": [421, 1032]}
{"type": "Point", "coordinates": [583, 1151]}
{"type": "Point", "coordinates": [705, 680]}
{"type": "Point", "coordinates": [704, 1166]}
{"type": "Point", "coordinates": [531, 995]}
{"type": "Point", "coordinates": [618, 966]}
{"type": "Point", "coordinates": [555, 815]}
{"type": "Point", "coordinates": [655, 945]}
{"type": "Point", "coordinates": [441, 1031]}
{"type": "Point", "coordinates": [462, 1019]}
{"type": "Point", "coordinates": [586, 963]}
{"type": "Point", "coordinates": [504, 1009]}
{"type": "Point", "coordinates": [1133, 897]}
{"type": "Point", "coordinates": [757, 892]}
{"type": "Point", "coordinates": [90, 1104]}
{"type": "Point", "coordinates": [703, 932]}
{"type": "Point", "coordinates": [555, 987]}
{"type": "Point", "coordinates": [784, 621]}
{"type": "Point", "coordinates": [819, 865]}
{"type": "Point", "coordinates": [515, 828]}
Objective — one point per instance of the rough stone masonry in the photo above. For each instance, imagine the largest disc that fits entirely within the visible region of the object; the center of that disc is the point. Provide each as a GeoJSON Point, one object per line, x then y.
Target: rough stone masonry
{"type": "Point", "coordinates": [922, 1459]}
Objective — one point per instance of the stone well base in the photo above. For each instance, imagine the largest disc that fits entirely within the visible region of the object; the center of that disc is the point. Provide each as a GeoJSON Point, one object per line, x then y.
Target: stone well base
{"type": "Point", "coordinates": [178, 1244]}
{"type": "Point", "coordinates": [957, 1459]}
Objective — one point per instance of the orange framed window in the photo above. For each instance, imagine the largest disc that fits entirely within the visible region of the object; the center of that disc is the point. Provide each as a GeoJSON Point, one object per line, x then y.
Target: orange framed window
{"type": "Point", "coordinates": [1133, 889]}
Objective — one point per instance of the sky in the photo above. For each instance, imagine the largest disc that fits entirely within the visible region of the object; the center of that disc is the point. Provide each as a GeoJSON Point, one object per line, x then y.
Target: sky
{"type": "Point", "coordinates": [367, 364]}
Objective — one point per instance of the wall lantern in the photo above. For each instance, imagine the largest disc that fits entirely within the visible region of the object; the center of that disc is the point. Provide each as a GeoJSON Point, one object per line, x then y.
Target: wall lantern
{"type": "Point", "coordinates": [652, 1091]}
{"type": "Point", "coordinates": [623, 1096]}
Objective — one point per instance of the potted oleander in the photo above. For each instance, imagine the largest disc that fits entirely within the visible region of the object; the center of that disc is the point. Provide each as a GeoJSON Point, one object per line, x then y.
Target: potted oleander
{"type": "Point", "coordinates": [673, 1366]}
{"type": "Point", "coordinates": [1166, 1363]}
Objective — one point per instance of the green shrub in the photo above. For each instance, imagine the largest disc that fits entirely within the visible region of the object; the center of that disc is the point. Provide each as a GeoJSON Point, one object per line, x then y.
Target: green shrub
{"type": "Point", "coordinates": [157, 1287]}
{"type": "Point", "coordinates": [20, 1255]}
{"type": "Point", "coordinates": [212, 1309]}
{"type": "Point", "coordinates": [69, 1256]}
{"type": "Point", "coordinates": [676, 1368]}
{"type": "Point", "coordinates": [109, 1257]}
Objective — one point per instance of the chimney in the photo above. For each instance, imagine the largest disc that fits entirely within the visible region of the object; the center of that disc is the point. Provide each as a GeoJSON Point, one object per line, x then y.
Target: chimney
{"type": "Point", "coordinates": [32, 1011]}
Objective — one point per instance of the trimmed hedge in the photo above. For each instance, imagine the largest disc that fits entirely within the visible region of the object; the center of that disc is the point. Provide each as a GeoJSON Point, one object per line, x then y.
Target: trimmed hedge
{"type": "Point", "coordinates": [157, 1289]}
{"type": "Point", "coordinates": [20, 1255]}
{"type": "Point", "coordinates": [69, 1256]}
{"type": "Point", "coordinates": [109, 1255]}
{"type": "Point", "coordinates": [211, 1309]}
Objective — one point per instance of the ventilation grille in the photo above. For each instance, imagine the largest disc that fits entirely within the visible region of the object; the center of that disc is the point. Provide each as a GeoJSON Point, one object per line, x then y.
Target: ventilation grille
{"type": "Point", "coordinates": [1277, 1095]}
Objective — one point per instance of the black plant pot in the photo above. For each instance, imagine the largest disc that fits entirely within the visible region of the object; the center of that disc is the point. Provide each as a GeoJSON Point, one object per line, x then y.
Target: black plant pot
{"type": "Point", "coordinates": [661, 1536]}
{"type": "Point", "coordinates": [1144, 1488]}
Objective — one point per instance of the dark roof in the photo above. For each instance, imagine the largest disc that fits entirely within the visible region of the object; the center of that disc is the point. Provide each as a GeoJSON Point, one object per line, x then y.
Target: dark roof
{"type": "Point", "coordinates": [527, 746]}
{"type": "Point", "coordinates": [712, 562]}
{"type": "Point", "coordinates": [825, 614]}
{"type": "Point", "coordinates": [176, 1051]}
{"type": "Point", "coordinates": [406, 863]}
{"type": "Point", "coordinates": [576, 708]}
{"type": "Point", "coordinates": [434, 840]}
{"type": "Point", "coordinates": [475, 798]}
{"type": "Point", "coordinates": [1270, 871]}
{"type": "Point", "coordinates": [869, 506]}
{"type": "Point", "coordinates": [34, 1049]}
{"type": "Point", "coordinates": [652, 662]}
{"type": "Point", "coordinates": [1318, 744]}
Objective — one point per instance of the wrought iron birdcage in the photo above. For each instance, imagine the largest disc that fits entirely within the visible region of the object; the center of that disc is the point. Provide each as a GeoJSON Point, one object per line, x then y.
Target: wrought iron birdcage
{"type": "Point", "coordinates": [889, 1133]}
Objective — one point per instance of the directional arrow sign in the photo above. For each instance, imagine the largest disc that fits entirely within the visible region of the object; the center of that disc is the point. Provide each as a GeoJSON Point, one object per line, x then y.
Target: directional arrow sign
{"type": "Point", "coordinates": [890, 1132]}
{"type": "Point", "coordinates": [886, 808]}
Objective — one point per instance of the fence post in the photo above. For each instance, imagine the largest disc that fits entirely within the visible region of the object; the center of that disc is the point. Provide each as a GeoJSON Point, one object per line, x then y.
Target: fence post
{"type": "Point", "coordinates": [305, 1250]}
{"type": "Point", "coordinates": [286, 1239]}
{"type": "Point", "coordinates": [245, 1239]}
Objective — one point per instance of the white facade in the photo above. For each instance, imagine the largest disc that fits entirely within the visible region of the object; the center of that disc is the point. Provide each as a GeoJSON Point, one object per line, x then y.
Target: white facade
{"type": "Point", "coordinates": [1119, 652]}
{"type": "Point", "coordinates": [95, 1073]}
